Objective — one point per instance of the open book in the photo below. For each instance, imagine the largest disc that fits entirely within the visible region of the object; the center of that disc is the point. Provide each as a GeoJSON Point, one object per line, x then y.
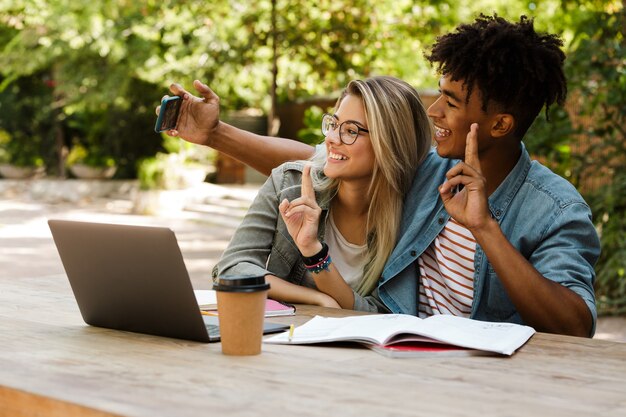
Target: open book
{"type": "Point", "coordinates": [385, 330]}
{"type": "Point", "coordinates": [207, 301]}
{"type": "Point", "coordinates": [425, 350]}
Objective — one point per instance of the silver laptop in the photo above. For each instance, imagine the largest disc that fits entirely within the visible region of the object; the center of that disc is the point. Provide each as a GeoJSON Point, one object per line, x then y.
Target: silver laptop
{"type": "Point", "coordinates": [133, 278]}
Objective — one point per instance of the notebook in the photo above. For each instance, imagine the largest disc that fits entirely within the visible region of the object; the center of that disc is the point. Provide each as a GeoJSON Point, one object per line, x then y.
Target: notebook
{"type": "Point", "coordinates": [207, 300]}
{"type": "Point", "coordinates": [133, 278]}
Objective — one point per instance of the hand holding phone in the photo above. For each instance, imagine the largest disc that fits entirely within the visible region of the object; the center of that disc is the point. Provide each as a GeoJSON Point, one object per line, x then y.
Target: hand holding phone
{"type": "Point", "coordinates": [168, 115]}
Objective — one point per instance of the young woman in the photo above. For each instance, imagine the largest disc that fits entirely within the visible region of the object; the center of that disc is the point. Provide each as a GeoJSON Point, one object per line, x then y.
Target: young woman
{"type": "Point", "coordinates": [321, 230]}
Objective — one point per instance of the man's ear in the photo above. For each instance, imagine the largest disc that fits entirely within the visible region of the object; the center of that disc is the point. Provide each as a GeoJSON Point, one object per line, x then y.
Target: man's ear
{"type": "Point", "coordinates": [503, 125]}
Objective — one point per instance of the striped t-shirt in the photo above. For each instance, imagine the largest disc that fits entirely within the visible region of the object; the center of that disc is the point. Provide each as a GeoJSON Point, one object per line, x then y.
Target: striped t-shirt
{"type": "Point", "coordinates": [447, 273]}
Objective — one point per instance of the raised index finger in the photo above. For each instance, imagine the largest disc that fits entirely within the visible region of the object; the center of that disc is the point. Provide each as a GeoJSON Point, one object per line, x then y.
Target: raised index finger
{"type": "Point", "coordinates": [307, 183]}
{"type": "Point", "coordinates": [471, 148]}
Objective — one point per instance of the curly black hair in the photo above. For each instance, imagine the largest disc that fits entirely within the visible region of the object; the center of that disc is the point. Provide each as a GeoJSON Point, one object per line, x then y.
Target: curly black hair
{"type": "Point", "coordinates": [513, 67]}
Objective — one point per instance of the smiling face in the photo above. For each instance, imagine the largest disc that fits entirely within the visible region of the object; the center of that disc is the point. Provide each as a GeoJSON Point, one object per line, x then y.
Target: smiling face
{"type": "Point", "coordinates": [452, 118]}
{"type": "Point", "coordinates": [350, 162]}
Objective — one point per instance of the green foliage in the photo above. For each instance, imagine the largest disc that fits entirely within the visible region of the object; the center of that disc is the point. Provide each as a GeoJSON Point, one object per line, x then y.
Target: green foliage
{"type": "Point", "coordinates": [182, 165]}
{"type": "Point", "coordinates": [92, 54]}
{"type": "Point", "coordinates": [27, 121]}
{"type": "Point", "coordinates": [151, 172]}
{"type": "Point", "coordinates": [311, 133]}
{"type": "Point", "coordinates": [596, 71]}
{"type": "Point", "coordinates": [116, 132]}
{"type": "Point", "coordinates": [112, 60]}
{"type": "Point", "coordinates": [91, 157]}
{"type": "Point", "coordinates": [609, 208]}
{"type": "Point", "coordinates": [550, 140]}
{"type": "Point", "coordinates": [95, 49]}
{"type": "Point", "coordinates": [19, 151]}
{"type": "Point", "coordinates": [5, 138]}
{"type": "Point", "coordinates": [129, 133]}
{"type": "Point", "coordinates": [169, 171]}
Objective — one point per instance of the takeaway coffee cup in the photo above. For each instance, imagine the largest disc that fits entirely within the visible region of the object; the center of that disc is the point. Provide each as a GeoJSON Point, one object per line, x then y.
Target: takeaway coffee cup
{"type": "Point", "coordinates": [241, 310]}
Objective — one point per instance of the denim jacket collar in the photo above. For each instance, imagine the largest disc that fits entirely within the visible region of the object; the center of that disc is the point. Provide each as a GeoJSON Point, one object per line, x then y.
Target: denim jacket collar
{"type": "Point", "coordinates": [500, 199]}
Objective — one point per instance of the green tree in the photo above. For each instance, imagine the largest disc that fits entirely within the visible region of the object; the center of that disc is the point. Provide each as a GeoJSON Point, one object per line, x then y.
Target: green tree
{"type": "Point", "coordinates": [114, 58]}
{"type": "Point", "coordinates": [25, 140]}
{"type": "Point", "coordinates": [92, 52]}
{"type": "Point", "coordinates": [597, 71]}
{"type": "Point", "coordinates": [587, 143]}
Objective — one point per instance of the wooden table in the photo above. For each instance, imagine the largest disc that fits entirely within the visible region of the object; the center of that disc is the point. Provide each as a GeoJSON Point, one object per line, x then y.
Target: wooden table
{"type": "Point", "coordinates": [52, 364]}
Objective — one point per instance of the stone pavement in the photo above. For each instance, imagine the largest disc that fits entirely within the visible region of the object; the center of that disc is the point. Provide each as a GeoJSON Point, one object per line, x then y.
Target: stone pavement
{"type": "Point", "coordinates": [203, 219]}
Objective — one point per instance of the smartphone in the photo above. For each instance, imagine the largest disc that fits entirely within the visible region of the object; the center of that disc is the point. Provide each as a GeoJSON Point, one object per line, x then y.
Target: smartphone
{"type": "Point", "coordinates": [168, 115]}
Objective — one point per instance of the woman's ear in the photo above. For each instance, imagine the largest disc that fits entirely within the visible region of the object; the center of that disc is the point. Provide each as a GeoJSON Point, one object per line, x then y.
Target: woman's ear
{"type": "Point", "coordinates": [504, 124]}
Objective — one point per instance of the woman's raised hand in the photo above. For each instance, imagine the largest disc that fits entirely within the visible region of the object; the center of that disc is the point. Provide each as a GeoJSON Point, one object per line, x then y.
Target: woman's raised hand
{"type": "Point", "coordinates": [302, 217]}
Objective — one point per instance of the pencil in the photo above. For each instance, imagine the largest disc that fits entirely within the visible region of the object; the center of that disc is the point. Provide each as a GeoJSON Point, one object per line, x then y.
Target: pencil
{"type": "Point", "coordinates": [208, 313]}
{"type": "Point", "coordinates": [291, 332]}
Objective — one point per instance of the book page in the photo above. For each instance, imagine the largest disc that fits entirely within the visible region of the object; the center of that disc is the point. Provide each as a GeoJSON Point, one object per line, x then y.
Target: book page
{"type": "Point", "coordinates": [206, 298]}
{"type": "Point", "coordinates": [502, 338]}
{"type": "Point", "coordinates": [372, 328]}
{"type": "Point", "coordinates": [384, 329]}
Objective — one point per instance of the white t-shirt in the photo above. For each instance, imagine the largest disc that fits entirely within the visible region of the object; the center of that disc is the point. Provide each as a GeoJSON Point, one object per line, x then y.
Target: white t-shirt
{"type": "Point", "coordinates": [348, 258]}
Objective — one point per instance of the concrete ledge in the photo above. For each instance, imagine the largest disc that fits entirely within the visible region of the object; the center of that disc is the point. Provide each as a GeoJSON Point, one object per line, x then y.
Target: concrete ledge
{"type": "Point", "coordinates": [67, 190]}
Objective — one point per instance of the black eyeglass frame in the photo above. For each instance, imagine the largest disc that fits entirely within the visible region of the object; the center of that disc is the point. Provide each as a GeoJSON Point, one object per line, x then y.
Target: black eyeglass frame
{"type": "Point", "coordinates": [338, 126]}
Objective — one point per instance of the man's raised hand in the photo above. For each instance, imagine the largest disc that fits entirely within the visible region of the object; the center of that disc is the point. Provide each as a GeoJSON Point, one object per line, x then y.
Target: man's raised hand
{"type": "Point", "coordinates": [468, 206]}
{"type": "Point", "coordinates": [199, 116]}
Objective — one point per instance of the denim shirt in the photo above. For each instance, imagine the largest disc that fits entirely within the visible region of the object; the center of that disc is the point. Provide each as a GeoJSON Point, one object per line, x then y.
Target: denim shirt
{"type": "Point", "coordinates": [262, 244]}
{"type": "Point", "coordinates": [541, 214]}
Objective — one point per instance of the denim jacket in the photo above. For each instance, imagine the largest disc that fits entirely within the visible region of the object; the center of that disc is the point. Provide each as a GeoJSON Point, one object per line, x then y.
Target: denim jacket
{"type": "Point", "coordinates": [541, 214]}
{"type": "Point", "coordinates": [262, 244]}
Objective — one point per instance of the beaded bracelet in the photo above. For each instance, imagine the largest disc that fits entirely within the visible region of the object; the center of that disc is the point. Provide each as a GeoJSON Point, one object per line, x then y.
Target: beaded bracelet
{"type": "Point", "coordinates": [318, 262]}
{"type": "Point", "coordinates": [323, 265]}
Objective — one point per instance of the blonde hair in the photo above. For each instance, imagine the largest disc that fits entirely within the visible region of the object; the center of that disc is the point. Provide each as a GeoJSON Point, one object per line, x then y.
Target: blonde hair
{"type": "Point", "coordinates": [400, 133]}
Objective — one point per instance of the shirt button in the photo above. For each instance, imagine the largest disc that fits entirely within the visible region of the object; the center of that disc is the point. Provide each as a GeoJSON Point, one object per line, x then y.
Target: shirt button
{"type": "Point", "coordinates": [440, 220]}
{"type": "Point", "coordinates": [498, 213]}
{"type": "Point", "coordinates": [413, 253]}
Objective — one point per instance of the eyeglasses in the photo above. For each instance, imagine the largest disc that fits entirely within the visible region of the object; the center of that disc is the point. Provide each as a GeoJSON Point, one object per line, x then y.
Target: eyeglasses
{"type": "Point", "coordinates": [348, 130]}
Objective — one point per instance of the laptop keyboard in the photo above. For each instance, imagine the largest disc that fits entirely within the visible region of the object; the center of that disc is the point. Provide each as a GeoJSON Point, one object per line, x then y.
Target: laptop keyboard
{"type": "Point", "coordinates": [213, 329]}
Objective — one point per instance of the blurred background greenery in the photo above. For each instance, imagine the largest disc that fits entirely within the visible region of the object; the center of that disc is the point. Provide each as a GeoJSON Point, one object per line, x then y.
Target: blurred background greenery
{"type": "Point", "coordinates": [86, 76]}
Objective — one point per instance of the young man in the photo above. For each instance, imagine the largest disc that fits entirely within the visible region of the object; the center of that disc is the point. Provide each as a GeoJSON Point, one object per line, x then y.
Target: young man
{"type": "Point", "coordinates": [493, 236]}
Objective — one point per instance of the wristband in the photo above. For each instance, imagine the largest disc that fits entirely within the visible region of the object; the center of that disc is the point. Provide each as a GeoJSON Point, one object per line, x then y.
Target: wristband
{"type": "Point", "coordinates": [318, 257]}
{"type": "Point", "coordinates": [323, 265]}
{"type": "Point", "coordinates": [318, 262]}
